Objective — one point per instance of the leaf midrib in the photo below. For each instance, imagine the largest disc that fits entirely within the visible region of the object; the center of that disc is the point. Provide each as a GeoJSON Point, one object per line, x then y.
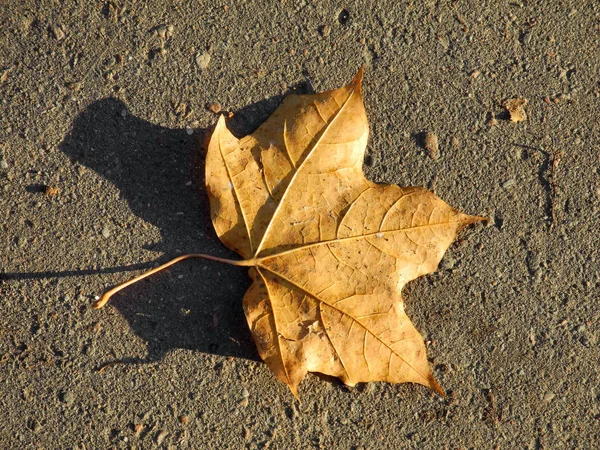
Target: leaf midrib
{"type": "Point", "coordinates": [299, 169]}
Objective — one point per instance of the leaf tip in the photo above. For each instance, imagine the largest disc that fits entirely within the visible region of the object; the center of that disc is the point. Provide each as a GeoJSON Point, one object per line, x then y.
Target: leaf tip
{"type": "Point", "coordinates": [469, 220]}
{"type": "Point", "coordinates": [220, 122]}
{"type": "Point", "coordinates": [294, 390]}
{"type": "Point", "coordinates": [474, 219]}
{"type": "Point", "coordinates": [222, 130]}
{"type": "Point", "coordinates": [433, 384]}
{"type": "Point", "coordinates": [357, 80]}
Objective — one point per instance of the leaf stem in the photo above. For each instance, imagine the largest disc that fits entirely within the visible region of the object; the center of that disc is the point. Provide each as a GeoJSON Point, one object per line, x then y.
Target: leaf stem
{"type": "Point", "coordinates": [108, 294]}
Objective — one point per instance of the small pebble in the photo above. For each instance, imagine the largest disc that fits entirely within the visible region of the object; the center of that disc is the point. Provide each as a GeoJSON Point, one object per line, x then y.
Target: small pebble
{"type": "Point", "coordinates": [532, 336]}
{"type": "Point", "coordinates": [444, 42]}
{"type": "Point", "coordinates": [74, 86]}
{"type": "Point", "coordinates": [184, 420]}
{"type": "Point", "coordinates": [35, 426]}
{"type": "Point", "coordinates": [58, 33]}
{"type": "Point", "coordinates": [67, 397]}
{"type": "Point", "coordinates": [138, 428]}
{"type": "Point", "coordinates": [432, 145]}
{"type": "Point", "coordinates": [189, 131]}
{"type": "Point", "coordinates": [105, 232]}
{"type": "Point", "coordinates": [447, 263]}
{"type": "Point", "coordinates": [243, 402]}
{"type": "Point", "coordinates": [214, 107]}
{"type": "Point", "coordinates": [475, 74]}
{"type": "Point", "coordinates": [203, 60]}
{"type": "Point", "coordinates": [160, 437]}
{"type": "Point", "coordinates": [325, 30]}
{"type": "Point", "coordinates": [548, 397]}
{"type": "Point", "coordinates": [20, 241]}
{"type": "Point", "coordinates": [161, 31]}
{"type": "Point", "coordinates": [533, 261]}
{"type": "Point", "coordinates": [245, 393]}
{"type": "Point", "coordinates": [3, 164]}
{"type": "Point", "coordinates": [509, 183]}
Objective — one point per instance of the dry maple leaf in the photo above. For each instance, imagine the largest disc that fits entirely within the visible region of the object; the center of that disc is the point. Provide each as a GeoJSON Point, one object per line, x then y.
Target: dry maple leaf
{"type": "Point", "coordinates": [329, 250]}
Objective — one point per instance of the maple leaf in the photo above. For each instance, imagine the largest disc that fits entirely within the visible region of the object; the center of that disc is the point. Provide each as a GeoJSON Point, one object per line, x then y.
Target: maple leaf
{"type": "Point", "coordinates": [329, 250]}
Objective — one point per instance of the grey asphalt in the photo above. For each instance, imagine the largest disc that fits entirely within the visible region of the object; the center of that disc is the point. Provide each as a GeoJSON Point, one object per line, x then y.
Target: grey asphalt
{"type": "Point", "coordinates": [103, 118]}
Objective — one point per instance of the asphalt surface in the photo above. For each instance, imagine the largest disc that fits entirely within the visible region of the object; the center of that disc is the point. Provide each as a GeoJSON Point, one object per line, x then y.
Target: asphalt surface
{"type": "Point", "coordinates": [104, 111]}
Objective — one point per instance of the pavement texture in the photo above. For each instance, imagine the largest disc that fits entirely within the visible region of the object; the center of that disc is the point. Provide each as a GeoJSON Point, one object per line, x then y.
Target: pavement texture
{"type": "Point", "coordinates": [104, 111]}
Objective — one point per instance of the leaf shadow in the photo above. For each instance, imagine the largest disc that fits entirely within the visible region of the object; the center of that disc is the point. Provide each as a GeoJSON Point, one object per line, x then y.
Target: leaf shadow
{"type": "Point", "coordinates": [158, 171]}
